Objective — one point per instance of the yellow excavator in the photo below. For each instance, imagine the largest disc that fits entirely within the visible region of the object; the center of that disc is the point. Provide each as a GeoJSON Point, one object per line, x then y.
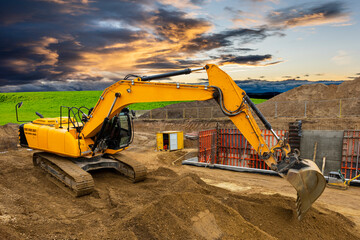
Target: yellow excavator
{"type": "Point", "coordinates": [87, 139]}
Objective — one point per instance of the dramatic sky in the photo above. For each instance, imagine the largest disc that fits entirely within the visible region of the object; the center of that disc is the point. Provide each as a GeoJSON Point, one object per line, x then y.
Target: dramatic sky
{"type": "Point", "coordinates": [89, 44]}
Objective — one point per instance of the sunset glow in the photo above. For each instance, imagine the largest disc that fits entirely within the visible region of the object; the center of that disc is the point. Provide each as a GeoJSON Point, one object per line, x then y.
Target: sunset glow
{"type": "Point", "coordinates": [46, 44]}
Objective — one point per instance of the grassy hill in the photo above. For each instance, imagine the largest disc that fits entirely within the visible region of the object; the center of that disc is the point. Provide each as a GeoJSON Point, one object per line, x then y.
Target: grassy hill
{"type": "Point", "coordinates": [48, 104]}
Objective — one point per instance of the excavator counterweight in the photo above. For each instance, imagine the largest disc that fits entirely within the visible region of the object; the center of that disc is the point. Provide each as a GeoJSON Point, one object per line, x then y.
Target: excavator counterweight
{"type": "Point", "coordinates": [93, 139]}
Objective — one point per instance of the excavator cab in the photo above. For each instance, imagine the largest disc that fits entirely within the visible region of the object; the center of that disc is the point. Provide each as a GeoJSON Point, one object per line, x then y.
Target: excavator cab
{"type": "Point", "coordinates": [120, 130]}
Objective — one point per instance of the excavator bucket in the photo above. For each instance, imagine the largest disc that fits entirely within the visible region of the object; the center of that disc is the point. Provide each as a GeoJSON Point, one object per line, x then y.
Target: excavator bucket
{"type": "Point", "coordinates": [309, 183]}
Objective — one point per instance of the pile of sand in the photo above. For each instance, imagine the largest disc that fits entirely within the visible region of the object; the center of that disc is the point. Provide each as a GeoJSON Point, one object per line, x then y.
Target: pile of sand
{"type": "Point", "coordinates": [321, 101]}
{"type": "Point", "coordinates": [348, 89]}
{"type": "Point", "coordinates": [188, 208]}
{"type": "Point", "coordinates": [165, 206]}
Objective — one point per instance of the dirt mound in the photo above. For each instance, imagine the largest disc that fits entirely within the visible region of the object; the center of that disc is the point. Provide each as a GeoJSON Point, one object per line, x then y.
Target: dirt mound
{"type": "Point", "coordinates": [188, 208]}
{"type": "Point", "coordinates": [163, 172]}
{"type": "Point", "coordinates": [8, 136]}
{"type": "Point", "coordinates": [348, 89]}
{"type": "Point", "coordinates": [169, 157]}
{"type": "Point", "coordinates": [167, 205]}
{"type": "Point", "coordinates": [189, 183]}
{"type": "Point", "coordinates": [317, 101]}
{"type": "Point", "coordinates": [284, 225]}
{"type": "Point", "coordinates": [191, 216]}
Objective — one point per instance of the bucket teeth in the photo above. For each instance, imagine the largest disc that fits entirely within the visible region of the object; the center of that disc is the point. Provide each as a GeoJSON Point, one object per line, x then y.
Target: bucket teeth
{"type": "Point", "coordinates": [298, 207]}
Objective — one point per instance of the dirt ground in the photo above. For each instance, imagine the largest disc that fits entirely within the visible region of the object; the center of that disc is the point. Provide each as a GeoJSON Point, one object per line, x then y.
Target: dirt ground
{"type": "Point", "coordinates": [174, 202]}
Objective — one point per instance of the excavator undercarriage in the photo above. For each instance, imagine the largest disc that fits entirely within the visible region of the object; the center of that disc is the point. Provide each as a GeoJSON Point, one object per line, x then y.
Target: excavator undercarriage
{"type": "Point", "coordinates": [71, 174]}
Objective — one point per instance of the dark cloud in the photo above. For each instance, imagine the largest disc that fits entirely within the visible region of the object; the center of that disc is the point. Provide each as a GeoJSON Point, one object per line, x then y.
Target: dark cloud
{"type": "Point", "coordinates": [245, 49]}
{"type": "Point", "coordinates": [234, 50]}
{"type": "Point", "coordinates": [99, 38]}
{"type": "Point", "coordinates": [54, 41]}
{"type": "Point", "coordinates": [248, 60]}
{"type": "Point", "coordinates": [233, 11]}
{"type": "Point", "coordinates": [162, 62]}
{"type": "Point", "coordinates": [174, 26]}
{"type": "Point", "coordinates": [40, 12]}
{"type": "Point", "coordinates": [308, 14]}
{"type": "Point", "coordinates": [225, 38]}
{"type": "Point", "coordinates": [272, 63]}
{"type": "Point", "coordinates": [74, 28]}
{"type": "Point", "coordinates": [77, 29]}
{"type": "Point", "coordinates": [197, 2]}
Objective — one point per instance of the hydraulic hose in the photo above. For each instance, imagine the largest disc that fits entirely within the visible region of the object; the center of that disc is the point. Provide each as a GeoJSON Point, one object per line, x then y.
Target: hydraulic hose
{"type": "Point", "coordinates": [261, 116]}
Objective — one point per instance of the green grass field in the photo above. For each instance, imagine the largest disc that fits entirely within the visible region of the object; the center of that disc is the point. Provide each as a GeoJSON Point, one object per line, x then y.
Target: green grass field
{"type": "Point", "coordinates": [48, 104]}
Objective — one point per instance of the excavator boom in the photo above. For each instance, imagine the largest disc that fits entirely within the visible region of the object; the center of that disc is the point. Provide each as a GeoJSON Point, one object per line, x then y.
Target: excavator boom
{"type": "Point", "coordinates": [99, 132]}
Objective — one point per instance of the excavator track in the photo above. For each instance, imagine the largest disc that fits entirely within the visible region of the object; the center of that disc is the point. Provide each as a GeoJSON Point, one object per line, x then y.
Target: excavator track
{"type": "Point", "coordinates": [64, 173]}
{"type": "Point", "coordinates": [72, 175]}
{"type": "Point", "coordinates": [130, 168]}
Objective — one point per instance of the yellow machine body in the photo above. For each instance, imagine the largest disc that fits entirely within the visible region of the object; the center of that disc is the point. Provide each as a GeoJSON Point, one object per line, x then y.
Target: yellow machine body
{"type": "Point", "coordinates": [45, 134]}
